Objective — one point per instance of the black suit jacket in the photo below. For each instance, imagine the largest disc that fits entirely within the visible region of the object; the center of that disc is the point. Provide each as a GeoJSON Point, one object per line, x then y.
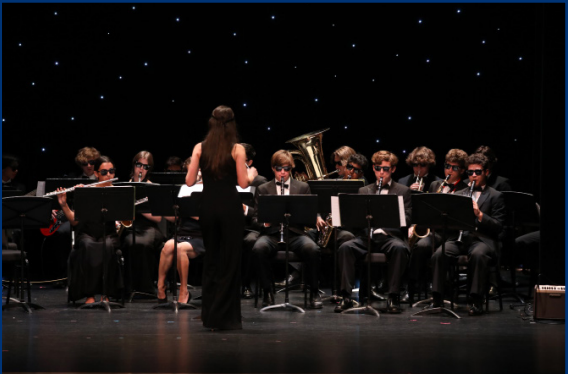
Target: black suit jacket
{"type": "Point", "coordinates": [436, 185]}
{"type": "Point", "coordinates": [249, 224]}
{"type": "Point", "coordinates": [269, 188]}
{"type": "Point", "coordinates": [499, 183]}
{"type": "Point", "coordinates": [410, 179]}
{"type": "Point", "coordinates": [395, 189]}
{"type": "Point", "coordinates": [490, 230]}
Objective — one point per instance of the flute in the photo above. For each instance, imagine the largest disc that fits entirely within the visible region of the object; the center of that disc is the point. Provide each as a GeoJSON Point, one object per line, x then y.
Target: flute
{"type": "Point", "coordinates": [73, 188]}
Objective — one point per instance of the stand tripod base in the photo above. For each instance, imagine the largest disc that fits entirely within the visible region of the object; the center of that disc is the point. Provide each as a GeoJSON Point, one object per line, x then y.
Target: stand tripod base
{"type": "Point", "coordinates": [334, 299]}
{"type": "Point", "coordinates": [286, 306]}
{"type": "Point", "coordinates": [363, 310]}
{"type": "Point", "coordinates": [175, 306]}
{"type": "Point", "coordinates": [446, 302]}
{"type": "Point", "coordinates": [102, 304]}
{"type": "Point", "coordinates": [16, 303]}
{"type": "Point", "coordinates": [436, 310]}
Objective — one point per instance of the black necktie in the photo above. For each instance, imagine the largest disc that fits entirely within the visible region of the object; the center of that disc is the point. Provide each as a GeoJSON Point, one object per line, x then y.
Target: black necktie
{"type": "Point", "coordinates": [280, 184]}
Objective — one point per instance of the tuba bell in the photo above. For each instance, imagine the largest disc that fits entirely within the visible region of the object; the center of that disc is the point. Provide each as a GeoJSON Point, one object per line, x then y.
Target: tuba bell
{"type": "Point", "coordinates": [310, 153]}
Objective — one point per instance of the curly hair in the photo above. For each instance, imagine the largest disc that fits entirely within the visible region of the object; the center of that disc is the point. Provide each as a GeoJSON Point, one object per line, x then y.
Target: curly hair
{"type": "Point", "coordinates": [458, 156]}
{"type": "Point", "coordinates": [421, 155]}
{"type": "Point", "coordinates": [387, 156]}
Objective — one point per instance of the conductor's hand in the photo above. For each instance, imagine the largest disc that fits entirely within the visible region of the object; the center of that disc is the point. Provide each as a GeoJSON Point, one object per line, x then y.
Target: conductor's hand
{"type": "Point", "coordinates": [320, 223]}
{"type": "Point", "coordinates": [251, 173]}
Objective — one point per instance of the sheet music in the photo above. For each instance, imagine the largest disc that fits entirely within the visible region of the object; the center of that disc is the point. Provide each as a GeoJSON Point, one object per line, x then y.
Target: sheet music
{"type": "Point", "coordinates": [401, 211]}
{"type": "Point", "coordinates": [40, 188]}
{"type": "Point", "coordinates": [248, 189]}
{"type": "Point", "coordinates": [185, 190]}
{"type": "Point", "coordinates": [335, 214]}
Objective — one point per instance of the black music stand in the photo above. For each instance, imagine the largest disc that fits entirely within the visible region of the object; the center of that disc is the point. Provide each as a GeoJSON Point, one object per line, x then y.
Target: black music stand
{"type": "Point", "coordinates": [521, 210]}
{"type": "Point", "coordinates": [325, 189]}
{"type": "Point", "coordinates": [170, 177]}
{"type": "Point", "coordinates": [442, 211]}
{"type": "Point", "coordinates": [370, 211]}
{"type": "Point", "coordinates": [286, 209]}
{"type": "Point", "coordinates": [101, 205]}
{"type": "Point", "coordinates": [25, 212]}
{"type": "Point", "coordinates": [140, 191]}
{"type": "Point", "coordinates": [164, 201]}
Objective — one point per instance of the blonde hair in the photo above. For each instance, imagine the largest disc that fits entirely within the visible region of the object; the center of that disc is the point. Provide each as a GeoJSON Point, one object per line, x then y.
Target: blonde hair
{"type": "Point", "coordinates": [282, 157]}
{"type": "Point", "coordinates": [387, 156]}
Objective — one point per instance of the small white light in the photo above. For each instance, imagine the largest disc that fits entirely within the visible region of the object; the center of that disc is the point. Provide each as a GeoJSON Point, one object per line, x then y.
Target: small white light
{"type": "Point", "coordinates": [428, 60]}
{"type": "Point", "coordinates": [498, 29]}
{"type": "Point", "coordinates": [316, 99]}
{"type": "Point", "coordinates": [353, 45]}
{"type": "Point", "coordinates": [55, 13]}
{"type": "Point", "coordinates": [234, 34]}
{"type": "Point", "coordinates": [459, 11]}
{"type": "Point", "coordinates": [515, 139]}
{"type": "Point", "coordinates": [133, 7]}
{"type": "Point", "coordinates": [520, 59]}
{"type": "Point", "coordinates": [397, 55]}
{"type": "Point", "coordinates": [43, 149]}
{"type": "Point", "coordinates": [269, 129]}
{"type": "Point", "coordinates": [3, 119]}
{"type": "Point", "coordinates": [345, 127]}
{"type": "Point", "coordinates": [177, 19]}
{"type": "Point", "coordinates": [404, 151]}
{"type": "Point", "coordinates": [33, 83]}
{"type": "Point", "coordinates": [244, 104]}
{"type": "Point", "coordinates": [173, 101]}
{"type": "Point", "coordinates": [72, 118]}
{"type": "Point", "coordinates": [377, 140]}
{"type": "Point", "coordinates": [145, 64]}
{"type": "Point", "coordinates": [102, 97]}
{"type": "Point", "coordinates": [272, 17]}
{"type": "Point", "coordinates": [120, 77]}
{"type": "Point", "coordinates": [483, 42]}
{"type": "Point", "coordinates": [478, 74]}
{"type": "Point", "coordinates": [419, 21]}
{"type": "Point", "coordinates": [246, 62]}
{"type": "Point", "coordinates": [56, 63]}
{"type": "Point", "coordinates": [409, 118]}
{"type": "Point", "coordinates": [295, 67]}
{"type": "Point", "coordinates": [108, 33]}
{"type": "Point", "coordinates": [19, 44]}
{"type": "Point", "coordinates": [372, 80]}
{"type": "Point", "coordinates": [188, 52]}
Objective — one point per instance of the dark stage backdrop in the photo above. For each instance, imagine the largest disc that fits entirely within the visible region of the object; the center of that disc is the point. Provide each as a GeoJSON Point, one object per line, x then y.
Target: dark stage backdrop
{"type": "Point", "coordinates": [130, 77]}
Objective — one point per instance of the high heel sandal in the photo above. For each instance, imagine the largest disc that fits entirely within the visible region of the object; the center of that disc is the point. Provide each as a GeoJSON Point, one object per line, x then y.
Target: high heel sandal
{"type": "Point", "coordinates": [164, 300]}
{"type": "Point", "coordinates": [188, 298]}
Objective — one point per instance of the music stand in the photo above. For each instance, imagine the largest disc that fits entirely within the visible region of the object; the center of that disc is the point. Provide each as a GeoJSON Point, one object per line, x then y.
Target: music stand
{"type": "Point", "coordinates": [442, 211]}
{"type": "Point", "coordinates": [521, 210]}
{"type": "Point", "coordinates": [25, 212]}
{"type": "Point", "coordinates": [141, 207]}
{"type": "Point", "coordinates": [370, 211]}
{"type": "Point", "coordinates": [164, 201]}
{"type": "Point", "coordinates": [286, 209]}
{"type": "Point", "coordinates": [101, 205]}
{"type": "Point", "coordinates": [325, 189]}
{"type": "Point", "coordinates": [170, 177]}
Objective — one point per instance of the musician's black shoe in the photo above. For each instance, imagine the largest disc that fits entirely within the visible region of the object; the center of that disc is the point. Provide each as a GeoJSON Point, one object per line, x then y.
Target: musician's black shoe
{"type": "Point", "coordinates": [268, 299]}
{"type": "Point", "coordinates": [477, 305]}
{"type": "Point", "coordinates": [346, 303]}
{"type": "Point", "coordinates": [315, 303]}
{"type": "Point", "coordinates": [293, 279]}
{"type": "Point", "coordinates": [247, 293]}
{"type": "Point", "coordinates": [436, 300]}
{"type": "Point", "coordinates": [393, 303]}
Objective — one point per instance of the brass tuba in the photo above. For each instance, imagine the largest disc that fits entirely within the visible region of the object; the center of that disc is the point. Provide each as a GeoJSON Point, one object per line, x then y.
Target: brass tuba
{"type": "Point", "coordinates": [311, 155]}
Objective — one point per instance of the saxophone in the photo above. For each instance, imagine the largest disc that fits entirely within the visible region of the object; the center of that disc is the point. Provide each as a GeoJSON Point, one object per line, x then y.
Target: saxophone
{"type": "Point", "coordinates": [325, 234]}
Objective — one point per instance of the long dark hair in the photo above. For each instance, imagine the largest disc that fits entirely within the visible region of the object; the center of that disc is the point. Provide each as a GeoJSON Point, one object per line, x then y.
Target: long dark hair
{"type": "Point", "coordinates": [218, 144]}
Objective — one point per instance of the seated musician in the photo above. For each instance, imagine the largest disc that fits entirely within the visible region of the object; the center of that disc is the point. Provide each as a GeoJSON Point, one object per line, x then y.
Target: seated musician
{"type": "Point", "coordinates": [480, 246]}
{"type": "Point", "coordinates": [86, 266]}
{"type": "Point", "coordinates": [252, 231]}
{"type": "Point", "coordinates": [173, 163]}
{"type": "Point", "coordinates": [493, 179]}
{"type": "Point", "coordinates": [143, 250]}
{"type": "Point", "coordinates": [339, 159]}
{"type": "Point", "coordinates": [85, 159]}
{"type": "Point", "coordinates": [356, 166]}
{"type": "Point", "coordinates": [10, 167]}
{"type": "Point", "coordinates": [422, 160]}
{"type": "Point", "coordinates": [301, 244]}
{"type": "Point", "coordinates": [422, 248]}
{"type": "Point", "coordinates": [390, 241]}
{"type": "Point", "coordinates": [189, 246]}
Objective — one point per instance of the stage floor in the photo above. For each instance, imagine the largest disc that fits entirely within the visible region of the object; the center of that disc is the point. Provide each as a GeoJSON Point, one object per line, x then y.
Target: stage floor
{"type": "Point", "coordinates": [138, 338]}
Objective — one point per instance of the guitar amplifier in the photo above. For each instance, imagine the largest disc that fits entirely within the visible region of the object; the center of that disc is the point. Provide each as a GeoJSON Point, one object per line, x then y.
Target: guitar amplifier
{"type": "Point", "coordinates": [549, 302]}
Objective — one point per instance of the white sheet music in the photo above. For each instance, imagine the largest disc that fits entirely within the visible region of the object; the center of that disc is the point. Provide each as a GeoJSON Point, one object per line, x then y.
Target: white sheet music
{"type": "Point", "coordinates": [185, 190]}
{"type": "Point", "coordinates": [335, 214]}
{"type": "Point", "coordinates": [401, 211]}
{"type": "Point", "coordinates": [248, 189]}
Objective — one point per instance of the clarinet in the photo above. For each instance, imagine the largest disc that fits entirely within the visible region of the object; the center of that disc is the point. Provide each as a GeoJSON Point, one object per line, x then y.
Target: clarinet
{"type": "Point", "coordinates": [281, 224]}
{"type": "Point", "coordinates": [380, 186]}
{"type": "Point", "coordinates": [469, 194]}
{"type": "Point", "coordinates": [140, 177]}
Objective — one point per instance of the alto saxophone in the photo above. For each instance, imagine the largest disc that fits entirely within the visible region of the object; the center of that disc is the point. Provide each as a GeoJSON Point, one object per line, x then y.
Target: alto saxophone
{"type": "Point", "coordinates": [325, 234]}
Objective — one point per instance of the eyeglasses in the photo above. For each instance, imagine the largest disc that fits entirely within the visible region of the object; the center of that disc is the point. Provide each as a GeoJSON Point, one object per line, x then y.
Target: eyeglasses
{"type": "Point", "coordinates": [477, 172]}
{"type": "Point", "coordinates": [421, 165]}
{"type": "Point", "coordinates": [90, 162]}
{"type": "Point", "coordinates": [104, 172]}
{"type": "Point", "coordinates": [356, 170]}
{"type": "Point", "coordinates": [285, 168]}
{"type": "Point", "coordinates": [453, 167]}
{"type": "Point", "coordinates": [378, 168]}
{"type": "Point", "coordinates": [141, 165]}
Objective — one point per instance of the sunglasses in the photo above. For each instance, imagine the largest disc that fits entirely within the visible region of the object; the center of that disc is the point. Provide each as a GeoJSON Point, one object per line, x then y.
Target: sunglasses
{"type": "Point", "coordinates": [104, 172]}
{"type": "Point", "coordinates": [356, 170]}
{"type": "Point", "coordinates": [141, 165]}
{"type": "Point", "coordinates": [285, 168]}
{"type": "Point", "coordinates": [453, 167]}
{"type": "Point", "coordinates": [90, 162]}
{"type": "Point", "coordinates": [477, 172]}
{"type": "Point", "coordinates": [378, 168]}
{"type": "Point", "coordinates": [417, 165]}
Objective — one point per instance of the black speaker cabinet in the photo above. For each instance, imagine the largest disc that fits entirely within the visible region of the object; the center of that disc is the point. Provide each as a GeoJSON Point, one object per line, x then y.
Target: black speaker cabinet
{"type": "Point", "coordinates": [549, 302]}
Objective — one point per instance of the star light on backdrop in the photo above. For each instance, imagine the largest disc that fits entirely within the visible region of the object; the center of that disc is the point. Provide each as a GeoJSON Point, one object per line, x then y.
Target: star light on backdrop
{"type": "Point", "coordinates": [361, 64]}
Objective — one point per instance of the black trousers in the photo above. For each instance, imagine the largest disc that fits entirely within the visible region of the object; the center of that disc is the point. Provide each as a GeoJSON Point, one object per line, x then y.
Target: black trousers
{"type": "Point", "coordinates": [248, 243]}
{"type": "Point", "coordinates": [353, 251]}
{"type": "Point", "coordinates": [266, 247]}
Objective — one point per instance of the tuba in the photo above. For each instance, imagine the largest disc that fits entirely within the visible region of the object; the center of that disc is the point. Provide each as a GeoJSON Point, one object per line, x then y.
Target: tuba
{"type": "Point", "coordinates": [310, 153]}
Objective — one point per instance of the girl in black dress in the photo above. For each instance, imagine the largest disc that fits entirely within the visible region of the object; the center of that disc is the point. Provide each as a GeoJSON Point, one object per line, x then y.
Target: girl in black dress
{"type": "Point", "coordinates": [222, 162]}
{"type": "Point", "coordinates": [86, 260]}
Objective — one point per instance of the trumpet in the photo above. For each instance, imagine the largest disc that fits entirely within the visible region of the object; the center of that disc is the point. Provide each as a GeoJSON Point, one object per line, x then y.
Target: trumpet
{"type": "Point", "coordinates": [53, 193]}
{"type": "Point", "coordinates": [420, 182]}
{"type": "Point", "coordinates": [469, 194]}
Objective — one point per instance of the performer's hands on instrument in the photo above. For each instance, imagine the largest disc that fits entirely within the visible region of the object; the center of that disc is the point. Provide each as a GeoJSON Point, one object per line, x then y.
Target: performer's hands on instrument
{"type": "Point", "coordinates": [320, 224]}
{"type": "Point", "coordinates": [61, 198]}
{"type": "Point", "coordinates": [416, 186]}
{"type": "Point", "coordinates": [478, 213]}
{"type": "Point", "coordinates": [410, 231]}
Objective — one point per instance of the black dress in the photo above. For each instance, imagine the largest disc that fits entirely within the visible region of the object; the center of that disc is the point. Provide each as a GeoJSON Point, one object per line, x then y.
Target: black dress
{"type": "Point", "coordinates": [86, 262]}
{"type": "Point", "coordinates": [222, 225]}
